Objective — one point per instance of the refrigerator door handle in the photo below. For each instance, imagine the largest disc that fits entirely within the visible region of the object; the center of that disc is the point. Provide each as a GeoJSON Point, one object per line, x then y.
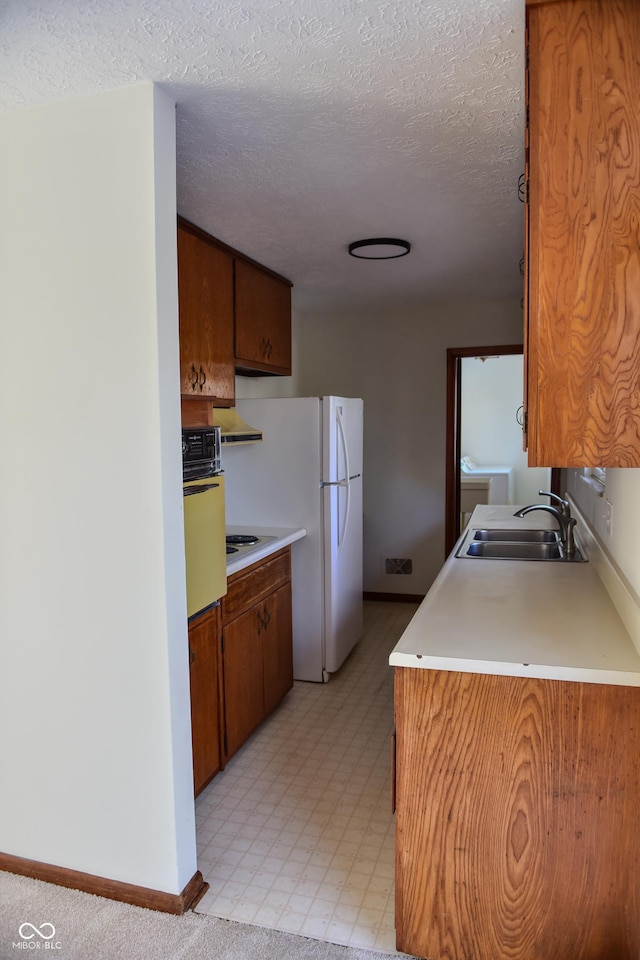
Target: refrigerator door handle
{"type": "Point", "coordinates": [346, 517]}
{"type": "Point", "coordinates": [343, 439]}
{"type": "Point", "coordinates": [345, 482]}
{"type": "Point", "coordinates": [347, 485]}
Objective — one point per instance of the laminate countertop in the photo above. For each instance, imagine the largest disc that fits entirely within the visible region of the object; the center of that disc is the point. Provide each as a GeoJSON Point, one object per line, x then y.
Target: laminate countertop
{"type": "Point", "coordinates": [526, 618]}
{"type": "Point", "coordinates": [272, 539]}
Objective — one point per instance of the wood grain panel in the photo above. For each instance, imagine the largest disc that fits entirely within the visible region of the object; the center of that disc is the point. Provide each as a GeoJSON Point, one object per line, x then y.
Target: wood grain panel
{"type": "Point", "coordinates": [277, 648]}
{"type": "Point", "coordinates": [263, 321]}
{"type": "Point", "coordinates": [518, 822]}
{"type": "Point", "coordinates": [254, 583]}
{"type": "Point", "coordinates": [205, 287]}
{"type": "Point", "coordinates": [204, 640]}
{"type": "Point", "coordinates": [243, 679]}
{"type": "Point", "coordinates": [584, 245]}
{"type": "Point", "coordinates": [196, 413]}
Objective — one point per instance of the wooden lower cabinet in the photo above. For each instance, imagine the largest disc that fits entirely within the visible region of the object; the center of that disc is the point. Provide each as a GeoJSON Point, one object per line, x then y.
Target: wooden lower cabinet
{"type": "Point", "coordinates": [242, 680]}
{"type": "Point", "coordinates": [257, 653]}
{"type": "Point", "coordinates": [277, 649]}
{"type": "Point", "coordinates": [518, 818]}
{"type": "Point", "coordinates": [204, 641]}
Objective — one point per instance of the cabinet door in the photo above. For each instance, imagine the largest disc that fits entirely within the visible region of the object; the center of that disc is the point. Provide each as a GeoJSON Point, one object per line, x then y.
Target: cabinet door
{"type": "Point", "coordinates": [584, 259]}
{"type": "Point", "coordinates": [277, 648]}
{"type": "Point", "coordinates": [205, 290]}
{"type": "Point", "coordinates": [527, 272]}
{"type": "Point", "coordinates": [517, 824]}
{"type": "Point", "coordinates": [243, 677]}
{"type": "Point", "coordinates": [204, 636]}
{"type": "Point", "coordinates": [262, 321]}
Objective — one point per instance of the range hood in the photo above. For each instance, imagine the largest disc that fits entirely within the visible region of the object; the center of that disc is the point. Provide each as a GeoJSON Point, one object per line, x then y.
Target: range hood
{"type": "Point", "coordinates": [233, 428]}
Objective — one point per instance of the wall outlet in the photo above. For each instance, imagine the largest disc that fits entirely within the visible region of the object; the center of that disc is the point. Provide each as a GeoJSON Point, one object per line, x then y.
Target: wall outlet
{"type": "Point", "coordinates": [607, 516]}
{"type": "Point", "coordinates": [403, 567]}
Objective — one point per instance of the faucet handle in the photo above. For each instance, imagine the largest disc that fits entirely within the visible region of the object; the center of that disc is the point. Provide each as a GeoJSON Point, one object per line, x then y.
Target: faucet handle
{"type": "Point", "coordinates": [564, 504]}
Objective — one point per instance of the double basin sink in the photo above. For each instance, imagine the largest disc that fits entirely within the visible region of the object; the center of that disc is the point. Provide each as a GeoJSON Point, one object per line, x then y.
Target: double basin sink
{"type": "Point", "coordinates": [509, 544]}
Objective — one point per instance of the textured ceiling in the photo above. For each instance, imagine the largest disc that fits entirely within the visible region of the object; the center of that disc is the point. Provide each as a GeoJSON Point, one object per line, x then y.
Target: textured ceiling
{"type": "Point", "coordinates": [306, 124]}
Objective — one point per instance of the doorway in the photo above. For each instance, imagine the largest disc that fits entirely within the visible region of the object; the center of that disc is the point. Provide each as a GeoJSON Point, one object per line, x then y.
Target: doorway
{"type": "Point", "coordinates": [459, 359]}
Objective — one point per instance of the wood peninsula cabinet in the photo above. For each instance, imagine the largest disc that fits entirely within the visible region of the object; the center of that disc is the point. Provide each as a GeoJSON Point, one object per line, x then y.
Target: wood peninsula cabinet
{"type": "Point", "coordinates": [518, 817]}
{"type": "Point", "coordinates": [257, 646]}
{"type": "Point", "coordinates": [205, 291]}
{"type": "Point", "coordinates": [262, 321]}
{"type": "Point", "coordinates": [582, 289]}
{"type": "Point", "coordinates": [204, 642]}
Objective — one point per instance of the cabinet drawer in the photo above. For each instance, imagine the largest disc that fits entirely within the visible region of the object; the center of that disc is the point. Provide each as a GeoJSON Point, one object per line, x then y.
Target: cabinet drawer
{"type": "Point", "coordinates": [249, 586]}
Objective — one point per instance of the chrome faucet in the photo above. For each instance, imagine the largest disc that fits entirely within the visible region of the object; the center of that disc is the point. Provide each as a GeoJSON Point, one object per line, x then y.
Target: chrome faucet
{"type": "Point", "coordinates": [566, 522]}
{"type": "Point", "coordinates": [563, 505]}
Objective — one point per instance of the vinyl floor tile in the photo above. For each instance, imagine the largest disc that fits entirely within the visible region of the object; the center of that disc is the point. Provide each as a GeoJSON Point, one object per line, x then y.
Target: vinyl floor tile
{"type": "Point", "coordinates": [296, 834]}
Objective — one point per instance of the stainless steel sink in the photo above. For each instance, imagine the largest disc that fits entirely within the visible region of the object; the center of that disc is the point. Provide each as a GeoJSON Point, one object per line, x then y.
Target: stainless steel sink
{"type": "Point", "coordinates": [514, 551]}
{"type": "Point", "coordinates": [519, 536]}
{"type": "Point", "coordinates": [496, 544]}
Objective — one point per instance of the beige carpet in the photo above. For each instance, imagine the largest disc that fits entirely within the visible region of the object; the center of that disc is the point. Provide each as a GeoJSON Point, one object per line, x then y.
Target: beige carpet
{"type": "Point", "coordinates": [92, 928]}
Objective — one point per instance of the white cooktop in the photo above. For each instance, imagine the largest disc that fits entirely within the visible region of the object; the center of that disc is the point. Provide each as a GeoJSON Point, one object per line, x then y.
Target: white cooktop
{"type": "Point", "coordinates": [271, 539]}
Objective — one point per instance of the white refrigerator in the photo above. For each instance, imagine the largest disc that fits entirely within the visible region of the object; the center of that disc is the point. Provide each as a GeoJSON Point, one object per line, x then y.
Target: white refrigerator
{"type": "Point", "coordinates": [307, 472]}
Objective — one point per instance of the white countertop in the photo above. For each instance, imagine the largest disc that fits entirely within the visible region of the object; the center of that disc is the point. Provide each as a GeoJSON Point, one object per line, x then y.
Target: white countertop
{"type": "Point", "coordinates": [550, 620]}
{"type": "Point", "coordinates": [282, 537]}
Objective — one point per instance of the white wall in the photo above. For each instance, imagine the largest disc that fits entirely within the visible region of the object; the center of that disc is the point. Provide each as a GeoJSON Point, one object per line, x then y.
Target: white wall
{"type": "Point", "coordinates": [94, 701]}
{"type": "Point", "coordinates": [621, 542]}
{"type": "Point", "coordinates": [396, 361]}
{"type": "Point", "coordinates": [492, 391]}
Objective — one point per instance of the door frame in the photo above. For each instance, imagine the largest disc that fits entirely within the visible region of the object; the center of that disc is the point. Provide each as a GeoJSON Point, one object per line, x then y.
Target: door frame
{"type": "Point", "coordinates": [453, 442]}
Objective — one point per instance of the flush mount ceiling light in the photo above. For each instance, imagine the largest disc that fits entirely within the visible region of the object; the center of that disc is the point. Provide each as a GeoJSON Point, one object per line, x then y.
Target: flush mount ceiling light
{"type": "Point", "coordinates": [382, 248]}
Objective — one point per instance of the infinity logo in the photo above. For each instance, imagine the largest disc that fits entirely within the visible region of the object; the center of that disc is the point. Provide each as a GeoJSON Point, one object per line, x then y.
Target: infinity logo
{"type": "Point", "coordinates": [29, 926]}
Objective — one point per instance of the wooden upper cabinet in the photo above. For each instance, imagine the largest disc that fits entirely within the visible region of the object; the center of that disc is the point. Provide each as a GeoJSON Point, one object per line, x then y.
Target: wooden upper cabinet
{"type": "Point", "coordinates": [263, 321]}
{"type": "Point", "coordinates": [205, 290]}
{"type": "Point", "coordinates": [583, 271]}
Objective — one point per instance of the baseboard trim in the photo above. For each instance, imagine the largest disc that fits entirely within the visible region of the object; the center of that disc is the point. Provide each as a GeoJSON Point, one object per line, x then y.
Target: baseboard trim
{"type": "Point", "coordinates": [176, 903]}
{"type": "Point", "coordinates": [393, 597]}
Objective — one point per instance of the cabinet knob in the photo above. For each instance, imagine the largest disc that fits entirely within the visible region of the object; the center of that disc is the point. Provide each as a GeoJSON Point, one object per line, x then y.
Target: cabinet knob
{"type": "Point", "coordinates": [193, 379]}
{"type": "Point", "coordinates": [203, 378]}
